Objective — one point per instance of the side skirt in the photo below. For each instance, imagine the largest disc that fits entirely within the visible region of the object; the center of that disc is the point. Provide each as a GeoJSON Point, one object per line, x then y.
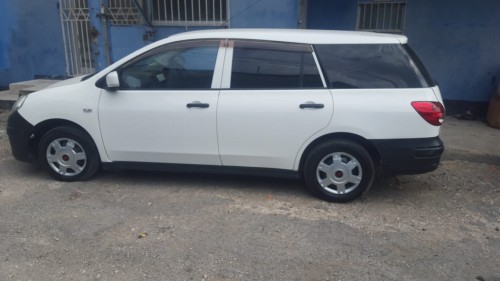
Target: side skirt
{"type": "Point", "coordinates": [202, 169]}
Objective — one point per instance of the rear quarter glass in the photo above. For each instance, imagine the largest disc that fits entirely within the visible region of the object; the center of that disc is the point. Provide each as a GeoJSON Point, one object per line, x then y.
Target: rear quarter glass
{"type": "Point", "coordinates": [420, 66]}
{"type": "Point", "coordinates": [370, 66]}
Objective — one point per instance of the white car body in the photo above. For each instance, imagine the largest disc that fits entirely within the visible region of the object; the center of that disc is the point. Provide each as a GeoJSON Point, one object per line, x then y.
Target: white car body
{"type": "Point", "coordinates": [241, 128]}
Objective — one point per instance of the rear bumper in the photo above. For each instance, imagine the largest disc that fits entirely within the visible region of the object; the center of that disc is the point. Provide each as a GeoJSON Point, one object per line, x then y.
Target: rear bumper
{"type": "Point", "coordinates": [20, 132]}
{"type": "Point", "coordinates": [410, 156]}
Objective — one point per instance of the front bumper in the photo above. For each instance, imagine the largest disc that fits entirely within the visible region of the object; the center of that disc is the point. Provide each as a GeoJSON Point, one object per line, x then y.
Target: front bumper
{"type": "Point", "coordinates": [20, 132]}
{"type": "Point", "coordinates": [410, 156]}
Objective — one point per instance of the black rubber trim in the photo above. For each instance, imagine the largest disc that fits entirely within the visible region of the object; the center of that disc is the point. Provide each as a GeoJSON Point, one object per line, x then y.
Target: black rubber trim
{"type": "Point", "coordinates": [311, 105]}
{"type": "Point", "coordinates": [20, 132]}
{"type": "Point", "coordinates": [197, 104]}
{"type": "Point", "coordinates": [208, 169]}
{"type": "Point", "coordinates": [410, 156]}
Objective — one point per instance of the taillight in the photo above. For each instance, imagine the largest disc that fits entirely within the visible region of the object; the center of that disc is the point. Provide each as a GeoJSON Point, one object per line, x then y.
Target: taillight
{"type": "Point", "coordinates": [431, 111]}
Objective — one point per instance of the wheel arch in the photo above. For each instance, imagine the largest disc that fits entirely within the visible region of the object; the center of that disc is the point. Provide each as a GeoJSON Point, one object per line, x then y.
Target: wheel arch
{"type": "Point", "coordinates": [372, 150]}
{"type": "Point", "coordinates": [43, 127]}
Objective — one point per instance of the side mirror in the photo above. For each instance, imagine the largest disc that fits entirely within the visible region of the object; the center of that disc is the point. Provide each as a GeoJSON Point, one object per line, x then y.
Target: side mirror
{"type": "Point", "coordinates": [112, 81]}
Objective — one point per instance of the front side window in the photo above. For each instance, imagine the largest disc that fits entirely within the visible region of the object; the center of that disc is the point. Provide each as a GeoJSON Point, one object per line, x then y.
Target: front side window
{"type": "Point", "coordinates": [176, 66]}
{"type": "Point", "coordinates": [261, 65]}
{"type": "Point", "coordinates": [374, 66]}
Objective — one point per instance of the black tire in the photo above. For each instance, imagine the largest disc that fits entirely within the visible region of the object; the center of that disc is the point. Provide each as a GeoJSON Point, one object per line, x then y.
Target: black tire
{"type": "Point", "coordinates": [343, 179]}
{"type": "Point", "coordinates": [68, 154]}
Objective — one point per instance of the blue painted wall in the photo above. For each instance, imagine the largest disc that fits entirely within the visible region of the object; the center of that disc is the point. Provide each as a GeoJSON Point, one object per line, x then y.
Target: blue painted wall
{"type": "Point", "coordinates": [460, 44]}
{"type": "Point", "coordinates": [30, 40]}
{"type": "Point", "coordinates": [5, 23]}
{"type": "Point", "coordinates": [459, 41]}
{"type": "Point", "coordinates": [332, 14]}
{"type": "Point", "coordinates": [243, 14]}
{"type": "Point", "coordinates": [126, 39]}
{"type": "Point", "coordinates": [264, 13]}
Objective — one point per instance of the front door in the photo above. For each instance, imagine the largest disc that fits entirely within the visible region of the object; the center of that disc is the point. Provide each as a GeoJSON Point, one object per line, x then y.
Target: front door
{"type": "Point", "coordinates": [165, 108]}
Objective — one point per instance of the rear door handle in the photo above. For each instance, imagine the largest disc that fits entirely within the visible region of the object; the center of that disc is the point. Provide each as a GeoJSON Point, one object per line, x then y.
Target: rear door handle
{"type": "Point", "coordinates": [197, 104]}
{"type": "Point", "coordinates": [311, 105]}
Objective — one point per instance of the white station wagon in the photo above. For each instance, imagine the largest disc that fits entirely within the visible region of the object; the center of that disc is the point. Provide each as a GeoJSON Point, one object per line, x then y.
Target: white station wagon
{"type": "Point", "coordinates": [330, 106]}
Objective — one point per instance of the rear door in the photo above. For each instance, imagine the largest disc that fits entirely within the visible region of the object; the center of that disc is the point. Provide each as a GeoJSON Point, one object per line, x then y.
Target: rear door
{"type": "Point", "coordinates": [273, 98]}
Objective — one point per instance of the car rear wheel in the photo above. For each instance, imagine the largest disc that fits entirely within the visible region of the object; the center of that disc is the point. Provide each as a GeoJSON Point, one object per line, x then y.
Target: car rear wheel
{"type": "Point", "coordinates": [339, 171]}
{"type": "Point", "coordinates": [68, 154]}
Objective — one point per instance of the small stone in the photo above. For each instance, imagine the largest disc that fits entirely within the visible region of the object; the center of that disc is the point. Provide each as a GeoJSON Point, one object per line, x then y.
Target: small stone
{"type": "Point", "coordinates": [321, 207]}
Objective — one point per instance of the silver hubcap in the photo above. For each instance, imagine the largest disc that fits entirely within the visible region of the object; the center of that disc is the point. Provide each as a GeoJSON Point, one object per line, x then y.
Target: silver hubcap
{"type": "Point", "coordinates": [339, 173]}
{"type": "Point", "coordinates": [66, 157]}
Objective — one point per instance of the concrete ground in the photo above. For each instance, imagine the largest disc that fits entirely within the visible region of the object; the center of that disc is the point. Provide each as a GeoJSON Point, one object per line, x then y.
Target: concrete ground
{"type": "Point", "coordinates": [471, 140]}
{"type": "Point", "coordinates": [444, 225]}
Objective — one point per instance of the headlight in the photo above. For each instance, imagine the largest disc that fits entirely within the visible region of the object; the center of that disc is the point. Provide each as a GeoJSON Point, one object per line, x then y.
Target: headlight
{"type": "Point", "coordinates": [19, 103]}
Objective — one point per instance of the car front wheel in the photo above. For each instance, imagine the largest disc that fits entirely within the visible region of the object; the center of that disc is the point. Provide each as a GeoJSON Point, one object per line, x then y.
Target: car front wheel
{"type": "Point", "coordinates": [339, 171]}
{"type": "Point", "coordinates": [68, 154]}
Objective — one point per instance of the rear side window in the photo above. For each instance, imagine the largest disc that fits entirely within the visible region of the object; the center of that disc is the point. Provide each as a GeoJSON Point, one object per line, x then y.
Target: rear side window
{"type": "Point", "coordinates": [264, 65]}
{"type": "Point", "coordinates": [350, 66]}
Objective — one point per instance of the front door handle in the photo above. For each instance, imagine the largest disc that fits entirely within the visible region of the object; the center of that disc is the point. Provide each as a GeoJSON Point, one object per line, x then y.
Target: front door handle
{"type": "Point", "coordinates": [197, 104]}
{"type": "Point", "coordinates": [311, 105]}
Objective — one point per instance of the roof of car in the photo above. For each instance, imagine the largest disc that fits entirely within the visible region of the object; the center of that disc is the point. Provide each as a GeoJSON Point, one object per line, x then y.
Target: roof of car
{"type": "Point", "coordinates": [295, 35]}
{"type": "Point", "coordinates": [306, 36]}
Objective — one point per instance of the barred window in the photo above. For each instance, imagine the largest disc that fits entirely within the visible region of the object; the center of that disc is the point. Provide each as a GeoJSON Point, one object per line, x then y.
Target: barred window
{"type": "Point", "coordinates": [189, 12]}
{"type": "Point", "coordinates": [124, 12]}
{"type": "Point", "coordinates": [381, 16]}
{"type": "Point", "coordinates": [76, 30]}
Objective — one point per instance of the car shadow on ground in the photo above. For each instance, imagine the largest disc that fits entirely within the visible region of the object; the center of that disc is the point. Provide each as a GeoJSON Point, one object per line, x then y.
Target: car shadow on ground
{"type": "Point", "coordinates": [207, 181]}
{"type": "Point", "coordinates": [384, 188]}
